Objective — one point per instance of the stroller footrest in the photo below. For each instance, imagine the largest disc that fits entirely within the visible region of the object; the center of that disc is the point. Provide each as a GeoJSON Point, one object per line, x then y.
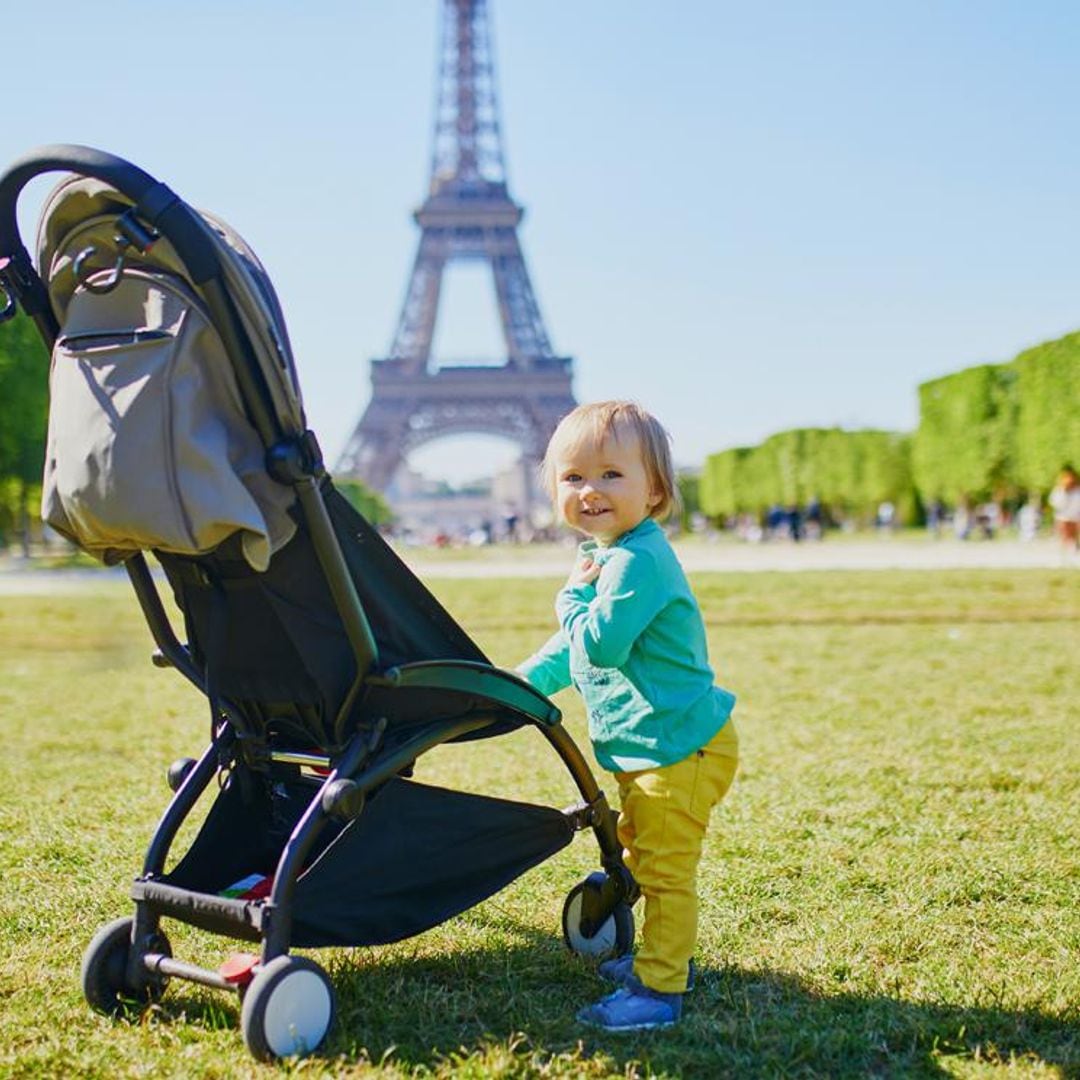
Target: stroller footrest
{"type": "Point", "coordinates": [237, 918]}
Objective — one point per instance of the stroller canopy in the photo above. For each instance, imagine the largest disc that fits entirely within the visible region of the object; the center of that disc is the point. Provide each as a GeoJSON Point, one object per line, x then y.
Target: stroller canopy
{"type": "Point", "coordinates": [144, 357]}
{"type": "Point", "coordinates": [142, 390]}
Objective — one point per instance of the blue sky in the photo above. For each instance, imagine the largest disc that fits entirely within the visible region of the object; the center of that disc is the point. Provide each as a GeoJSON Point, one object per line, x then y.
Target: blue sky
{"type": "Point", "coordinates": [749, 217]}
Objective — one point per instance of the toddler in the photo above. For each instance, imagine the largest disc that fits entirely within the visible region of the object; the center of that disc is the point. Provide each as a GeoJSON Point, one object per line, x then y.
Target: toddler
{"type": "Point", "coordinates": [631, 640]}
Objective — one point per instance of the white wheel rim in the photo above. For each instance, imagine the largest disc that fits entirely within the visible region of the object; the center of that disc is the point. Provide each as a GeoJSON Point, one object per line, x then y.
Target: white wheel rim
{"type": "Point", "coordinates": [297, 1014]}
{"type": "Point", "coordinates": [600, 944]}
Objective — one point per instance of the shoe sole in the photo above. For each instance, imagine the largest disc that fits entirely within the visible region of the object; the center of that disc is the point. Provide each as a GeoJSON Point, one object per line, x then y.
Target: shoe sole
{"type": "Point", "coordinates": [629, 1027]}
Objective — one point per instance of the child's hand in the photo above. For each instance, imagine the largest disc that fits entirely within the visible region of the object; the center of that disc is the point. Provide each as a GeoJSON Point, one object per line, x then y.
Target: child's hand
{"type": "Point", "coordinates": [584, 573]}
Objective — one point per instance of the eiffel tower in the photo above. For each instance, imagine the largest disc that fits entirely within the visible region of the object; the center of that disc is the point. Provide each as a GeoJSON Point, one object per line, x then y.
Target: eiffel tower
{"type": "Point", "coordinates": [468, 215]}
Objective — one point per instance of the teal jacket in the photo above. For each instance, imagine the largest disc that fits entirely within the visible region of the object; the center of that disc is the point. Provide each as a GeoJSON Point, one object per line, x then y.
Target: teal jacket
{"type": "Point", "coordinates": [633, 644]}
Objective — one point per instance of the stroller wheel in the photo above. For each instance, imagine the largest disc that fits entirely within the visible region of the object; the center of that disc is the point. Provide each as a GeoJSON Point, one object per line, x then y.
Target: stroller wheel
{"type": "Point", "coordinates": [613, 937]}
{"type": "Point", "coordinates": [104, 969]}
{"type": "Point", "coordinates": [288, 1008]}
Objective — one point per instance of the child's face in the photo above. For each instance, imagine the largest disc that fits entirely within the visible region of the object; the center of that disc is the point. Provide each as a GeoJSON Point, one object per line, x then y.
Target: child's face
{"type": "Point", "coordinates": [604, 490]}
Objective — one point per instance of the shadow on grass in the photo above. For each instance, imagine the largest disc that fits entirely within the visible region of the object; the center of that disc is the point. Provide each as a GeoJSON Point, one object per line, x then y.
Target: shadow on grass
{"type": "Point", "coordinates": [513, 1010]}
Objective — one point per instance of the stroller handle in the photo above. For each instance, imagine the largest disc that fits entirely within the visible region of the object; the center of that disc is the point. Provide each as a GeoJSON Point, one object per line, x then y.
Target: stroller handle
{"type": "Point", "coordinates": [154, 202]}
{"type": "Point", "coordinates": [61, 157]}
{"type": "Point", "coordinates": [156, 205]}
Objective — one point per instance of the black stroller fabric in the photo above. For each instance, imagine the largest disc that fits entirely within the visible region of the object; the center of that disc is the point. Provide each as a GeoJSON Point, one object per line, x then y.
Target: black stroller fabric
{"type": "Point", "coordinates": [416, 856]}
{"type": "Point", "coordinates": [273, 642]}
{"type": "Point", "coordinates": [408, 622]}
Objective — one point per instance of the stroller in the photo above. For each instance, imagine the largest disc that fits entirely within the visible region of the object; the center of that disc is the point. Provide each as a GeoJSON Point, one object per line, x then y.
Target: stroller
{"type": "Point", "coordinates": [176, 426]}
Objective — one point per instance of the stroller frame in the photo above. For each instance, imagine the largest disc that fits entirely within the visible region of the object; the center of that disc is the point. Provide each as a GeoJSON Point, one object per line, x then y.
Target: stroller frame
{"type": "Point", "coordinates": [131, 958]}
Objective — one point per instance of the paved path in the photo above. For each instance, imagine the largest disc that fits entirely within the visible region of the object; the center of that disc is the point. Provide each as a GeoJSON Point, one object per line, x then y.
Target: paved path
{"type": "Point", "coordinates": [872, 554]}
{"type": "Point", "coordinates": [698, 555]}
{"type": "Point", "coordinates": [17, 580]}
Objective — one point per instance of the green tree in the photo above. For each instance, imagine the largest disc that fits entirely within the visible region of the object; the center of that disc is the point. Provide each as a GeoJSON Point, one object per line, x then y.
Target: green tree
{"type": "Point", "coordinates": [24, 366]}
{"type": "Point", "coordinates": [884, 471]}
{"type": "Point", "coordinates": [717, 491]}
{"type": "Point", "coordinates": [738, 481]}
{"type": "Point", "coordinates": [367, 502]}
{"type": "Point", "coordinates": [1048, 424]}
{"type": "Point", "coordinates": [965, 446]}
{"type": "Point", "coordinates": [688, 486]}
{"type": "Point", "coordinates": [837, 477]}
{"type": "Point", "coordinates": [757, 478]}
{"type": "Point", "coordinates": [852, 471]}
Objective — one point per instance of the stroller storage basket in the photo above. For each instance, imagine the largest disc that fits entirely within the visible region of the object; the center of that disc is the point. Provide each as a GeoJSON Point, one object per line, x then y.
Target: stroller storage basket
{"type": "Point", "coordinates": [415, 857]}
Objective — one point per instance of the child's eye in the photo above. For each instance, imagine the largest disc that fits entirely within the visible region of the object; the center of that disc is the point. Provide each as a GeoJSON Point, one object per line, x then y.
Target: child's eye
{"type": "Point", "coordinates": [572, 478]}
{"type": "Point", "coordinates": [612, 474]}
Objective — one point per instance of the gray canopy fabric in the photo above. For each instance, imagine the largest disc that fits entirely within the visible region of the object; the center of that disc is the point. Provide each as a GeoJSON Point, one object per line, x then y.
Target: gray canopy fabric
{"type": "Point", "coordinates": [149, 446]}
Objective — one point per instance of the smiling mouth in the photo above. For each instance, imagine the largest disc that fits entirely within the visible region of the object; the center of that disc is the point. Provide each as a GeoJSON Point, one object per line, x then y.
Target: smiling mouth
{"type": "Point", "coordinates": [594, 512]}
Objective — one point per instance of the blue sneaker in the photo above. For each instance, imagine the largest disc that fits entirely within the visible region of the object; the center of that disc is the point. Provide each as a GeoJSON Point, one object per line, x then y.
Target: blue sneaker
{"type": "Point", "coordinates": [621, 969]}
{"type": "Point", "coordinates": [633, 1007]}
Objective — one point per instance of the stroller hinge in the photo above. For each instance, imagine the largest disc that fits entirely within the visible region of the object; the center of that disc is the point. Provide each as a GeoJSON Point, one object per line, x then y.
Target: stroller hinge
{"type": "Point", "coordinates": [293, 460]}
{"type": "Point", "coordinates": [581, 816]}
{"type": "Point", "coordinates": [139, 236]}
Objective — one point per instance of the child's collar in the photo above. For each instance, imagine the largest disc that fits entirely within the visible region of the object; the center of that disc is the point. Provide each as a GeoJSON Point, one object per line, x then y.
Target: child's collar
{"type": "Point", "coordinates": [599, 552]}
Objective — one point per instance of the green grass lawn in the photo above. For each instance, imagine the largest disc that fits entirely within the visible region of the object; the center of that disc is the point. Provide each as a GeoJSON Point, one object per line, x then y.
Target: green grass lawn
{"type": "Point", "coordinates": [892, 888]}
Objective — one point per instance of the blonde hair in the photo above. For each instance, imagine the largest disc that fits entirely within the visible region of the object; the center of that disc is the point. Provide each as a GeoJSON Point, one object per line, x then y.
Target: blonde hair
{"type": "Point", "coordinates": [592, 424]}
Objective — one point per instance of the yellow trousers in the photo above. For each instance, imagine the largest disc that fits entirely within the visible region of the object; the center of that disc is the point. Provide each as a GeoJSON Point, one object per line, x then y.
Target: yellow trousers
{"type": "Point", "coordinates": [662, 822]}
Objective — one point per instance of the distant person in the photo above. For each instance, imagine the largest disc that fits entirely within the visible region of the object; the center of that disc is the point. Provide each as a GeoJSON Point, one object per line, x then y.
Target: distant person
{"type": "Point", "coordinates": [987, 518]}
{"type": "Point", "coordinates": [961, 521]}
{"type": "Point", "coordinates": [1065, 502]}
{"type": "Point", "coordinates": [775, 521]}
{"type": "Point", "coordinates": [1029, 517]}
{"type": "Point", "coordinates": [795, 523]}
{"type": "Point", "coordinates": [748, 528]}
{"type": "Point", "coordinates": [510, 524]}
{"type": "Point", "coordinates": [935, 515]}
{"type": "Point", "coordinates": [631, 640]}
{"type": "Point", "coordinates": [886, 516]}
{"type": "Point", "coordinates": [814, 519]}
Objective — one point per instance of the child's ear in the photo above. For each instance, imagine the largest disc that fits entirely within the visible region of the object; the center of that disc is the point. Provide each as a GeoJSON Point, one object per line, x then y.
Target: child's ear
{"type": "Point", "coordinates": [655, 499]}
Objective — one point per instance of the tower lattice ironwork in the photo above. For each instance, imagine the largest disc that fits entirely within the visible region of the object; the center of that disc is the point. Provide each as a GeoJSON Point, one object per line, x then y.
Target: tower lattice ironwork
{"type": "Point", "coordinates": [468, 215]}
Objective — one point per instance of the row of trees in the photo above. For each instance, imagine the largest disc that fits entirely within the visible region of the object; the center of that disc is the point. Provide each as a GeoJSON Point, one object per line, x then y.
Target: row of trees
{"type": "Point", "coordinates": [852, 472]}
{"type": "Point", "coordinates": [990, 432]}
